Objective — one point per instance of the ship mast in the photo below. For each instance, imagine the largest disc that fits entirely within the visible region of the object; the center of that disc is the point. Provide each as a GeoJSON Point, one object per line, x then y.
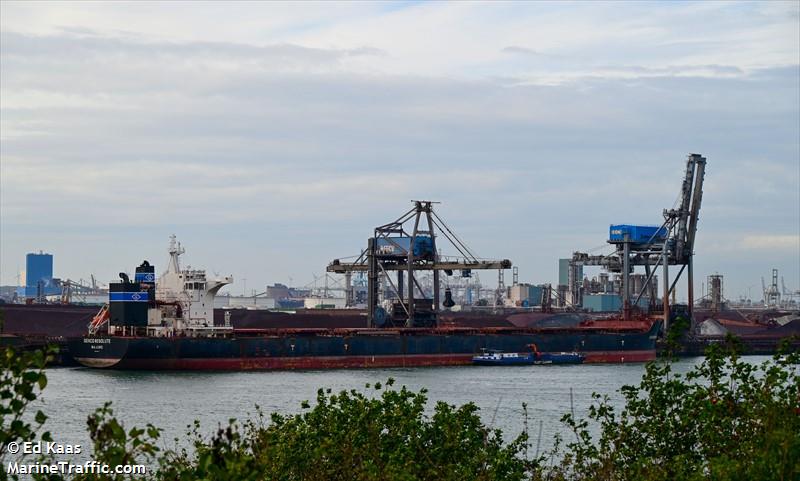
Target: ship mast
{"type": "Point", "coordinates": [175, 250]}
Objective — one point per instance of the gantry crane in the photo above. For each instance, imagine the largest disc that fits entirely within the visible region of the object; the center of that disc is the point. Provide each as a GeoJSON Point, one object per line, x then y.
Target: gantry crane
{"type": "Point", "coordinates": [394, 248]}
{"type": "Point", "coordinates": [670, 244]}
{"type": "Point", "coordinates": [788, 295]}
{"type": "Point", "coordinates": [772, 295]}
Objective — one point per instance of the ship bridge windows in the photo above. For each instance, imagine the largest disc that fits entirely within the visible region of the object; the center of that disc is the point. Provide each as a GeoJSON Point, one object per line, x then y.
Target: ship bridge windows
{"type": "Point", "coordinates": [195, 286]}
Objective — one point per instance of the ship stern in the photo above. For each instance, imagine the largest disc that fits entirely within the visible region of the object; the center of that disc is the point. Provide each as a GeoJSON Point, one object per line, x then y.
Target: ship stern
{"type": "Point", "coordinates": [98, 351]}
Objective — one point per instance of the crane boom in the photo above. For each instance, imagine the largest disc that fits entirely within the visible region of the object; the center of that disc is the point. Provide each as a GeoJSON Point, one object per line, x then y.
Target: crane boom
{"type": "Point", "coordinates": [697, 198]}
{"type": "Point", "coordinates": [683, 210]}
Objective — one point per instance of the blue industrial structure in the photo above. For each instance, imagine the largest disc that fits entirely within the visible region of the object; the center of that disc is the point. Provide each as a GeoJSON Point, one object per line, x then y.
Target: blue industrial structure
{"type": "Point", "coordinates": [608, 302]}
{"type": "Point", "coordinates": [602, 302]}
{"type": "Point", "coordinates": [651, 247]}
{"type": "Point", "coordinates": [398, 246]}
{"type": "Point", "coordinates": [535, 296]}
{"type": "Point", "coordinates": [638, 234]}
{"type": "Point", "coordinates": [39, 275]}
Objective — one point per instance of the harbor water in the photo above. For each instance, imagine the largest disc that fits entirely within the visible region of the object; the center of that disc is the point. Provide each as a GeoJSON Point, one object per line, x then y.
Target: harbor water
{"type": "Point", "coordinates": [173, 400]}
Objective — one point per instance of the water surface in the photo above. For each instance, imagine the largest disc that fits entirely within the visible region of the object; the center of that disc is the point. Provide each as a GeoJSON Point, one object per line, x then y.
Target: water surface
{"type": "Point", "coordinates": [173, 400]}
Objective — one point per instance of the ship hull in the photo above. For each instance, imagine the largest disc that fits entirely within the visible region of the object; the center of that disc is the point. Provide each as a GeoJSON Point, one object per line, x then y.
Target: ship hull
{"type": "Point", "coordinates": [351, 350]}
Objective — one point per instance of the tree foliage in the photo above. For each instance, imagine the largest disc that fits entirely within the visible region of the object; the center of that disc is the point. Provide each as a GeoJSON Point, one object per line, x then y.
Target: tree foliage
{"type": "Point", "coordinates": [21, 380]}
{"type": "Point", "coordinates": [726, 419]}
{"type": "Point", "coordinates": [379, 435]}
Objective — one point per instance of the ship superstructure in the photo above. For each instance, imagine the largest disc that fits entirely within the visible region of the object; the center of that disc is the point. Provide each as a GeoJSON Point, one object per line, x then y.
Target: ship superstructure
{"type": "Point", "coordinates": [179, 303]}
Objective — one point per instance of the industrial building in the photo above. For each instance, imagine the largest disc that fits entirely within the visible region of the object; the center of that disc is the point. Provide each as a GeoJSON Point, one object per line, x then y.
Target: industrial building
{"type": "Point", "coordinates": [563, 272]}
{"type": "Point", "coordinates": [39, 281]}
{"type": "Point", "coordinates": [609, 302]}
{"type": "Point", "coordinates": [525, 295]}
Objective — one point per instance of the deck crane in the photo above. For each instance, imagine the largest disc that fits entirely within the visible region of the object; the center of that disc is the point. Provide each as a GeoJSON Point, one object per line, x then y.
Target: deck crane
{"type": "Point", "coordinates": [672, 244]}
{"type": "Point", "coordinates": [394, 247]}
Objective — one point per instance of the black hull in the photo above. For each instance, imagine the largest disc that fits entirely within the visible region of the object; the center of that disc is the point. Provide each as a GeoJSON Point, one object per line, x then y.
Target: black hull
{"type": "Point", "coordinates": [352, 349]}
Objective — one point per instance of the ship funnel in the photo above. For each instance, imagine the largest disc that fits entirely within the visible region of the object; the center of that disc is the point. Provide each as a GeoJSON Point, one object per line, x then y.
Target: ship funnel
{"type": "Point", "coordinates": [124, 277]}
{"type": "Point", "coordinates": [145, 274]}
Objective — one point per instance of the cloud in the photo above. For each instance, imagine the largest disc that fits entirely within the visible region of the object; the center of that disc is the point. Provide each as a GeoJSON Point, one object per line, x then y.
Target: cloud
{"type": "Point", "coordinates": [674, 71]}
{"type": "Point", "coordinates": [87, 50]}
{"type": "Point", "coordinates": [788, 243]}
{"type": "Point", "coordinates": [271, 126]}
{"type": "Point", "coordinates": [522, 50]}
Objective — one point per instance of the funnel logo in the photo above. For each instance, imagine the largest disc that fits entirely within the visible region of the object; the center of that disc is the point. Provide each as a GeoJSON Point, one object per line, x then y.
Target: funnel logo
{"type": "Point", "coordinates": [145, 277]}
{"type": "Point", "coordinates": [128, 297]}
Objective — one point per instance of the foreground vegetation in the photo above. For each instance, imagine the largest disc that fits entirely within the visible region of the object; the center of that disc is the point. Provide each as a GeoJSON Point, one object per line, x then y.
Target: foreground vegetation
{"type": "Point", "coordinates": [726, 419]}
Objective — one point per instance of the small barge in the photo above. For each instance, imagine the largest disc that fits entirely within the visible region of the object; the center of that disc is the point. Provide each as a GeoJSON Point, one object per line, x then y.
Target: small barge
{"type": "Point", "coordinates": [499, 358]}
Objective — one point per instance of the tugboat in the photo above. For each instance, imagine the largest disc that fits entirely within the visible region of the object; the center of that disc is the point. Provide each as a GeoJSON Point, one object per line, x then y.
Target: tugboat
{"type": "Point", "coordinates": [491, 357]}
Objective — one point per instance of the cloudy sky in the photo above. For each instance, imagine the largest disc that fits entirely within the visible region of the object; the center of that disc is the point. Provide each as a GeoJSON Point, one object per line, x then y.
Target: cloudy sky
{"type": "Point", "coordinates": [271, 138]}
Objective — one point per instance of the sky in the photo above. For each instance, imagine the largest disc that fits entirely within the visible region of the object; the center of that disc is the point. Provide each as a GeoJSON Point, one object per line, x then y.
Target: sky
{"type": "Point", "coordinates": [273, 137]}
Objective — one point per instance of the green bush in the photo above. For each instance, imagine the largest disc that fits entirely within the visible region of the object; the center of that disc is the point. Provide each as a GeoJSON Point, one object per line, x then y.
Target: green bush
{"type": "Point", "coordinates": [724, 420]}
{"type": "Point", "coordinates": [21, 379]}
{"type": "Point", "coordinates": [356, 436]}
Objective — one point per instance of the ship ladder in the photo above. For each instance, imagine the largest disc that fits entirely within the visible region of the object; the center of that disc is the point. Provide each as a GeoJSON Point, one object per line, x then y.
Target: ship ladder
{"type": "Point", "coordinates": [99, 319]}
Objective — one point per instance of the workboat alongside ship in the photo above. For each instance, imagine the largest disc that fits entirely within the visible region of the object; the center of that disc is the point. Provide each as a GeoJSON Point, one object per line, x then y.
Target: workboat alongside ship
{"type": "Point", "coordinates": [534, 357]}
{"type": "Point", "coordinates": [168, 324]}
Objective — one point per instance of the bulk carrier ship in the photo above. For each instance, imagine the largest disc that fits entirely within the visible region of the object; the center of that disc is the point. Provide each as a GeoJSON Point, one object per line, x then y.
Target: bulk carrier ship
{"type": "Point", "coordinates": [168, 324]}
